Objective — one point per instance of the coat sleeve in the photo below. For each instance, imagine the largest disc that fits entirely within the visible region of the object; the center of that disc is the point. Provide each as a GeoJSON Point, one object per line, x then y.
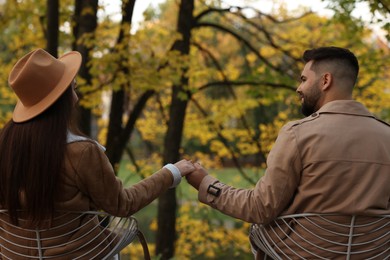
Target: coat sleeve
{"type": "Point", "coordinates": [272, 193]}
{"type": "Point", "coordinates": [96, 178]}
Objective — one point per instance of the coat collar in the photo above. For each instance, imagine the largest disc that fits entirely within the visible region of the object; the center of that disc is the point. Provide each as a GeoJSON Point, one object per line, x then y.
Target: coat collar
{"type": "Point", "coordinates": [348, 107]}
{"type": "Point", "coordinates": [71, 138]}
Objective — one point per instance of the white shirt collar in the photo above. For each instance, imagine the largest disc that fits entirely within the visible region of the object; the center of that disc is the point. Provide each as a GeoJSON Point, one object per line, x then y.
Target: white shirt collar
{"type": "Point", "coordinates": [71, 138]}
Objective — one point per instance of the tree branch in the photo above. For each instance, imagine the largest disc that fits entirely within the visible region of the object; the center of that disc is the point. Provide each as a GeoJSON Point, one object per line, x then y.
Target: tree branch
{"type": "Point", "coordinates": [225, 143]}
{"type": "Point", "coordinates": [386, 7]}
{"type": "Point", "coordinates": [267, 35]}
{"type": "Point", "coordinates": [133, 160]}
{"type": "Point", "coordinates": [231, 91]}
{"type": "Point", "coordinates": [241, 83]}
{"type": "Point", "coordinates": [231, 9]}
{"type": "Point", "coordinates": [241, 39]}
{"type": "Point", "coordinates": [211, 10]}
{"type": "Point", "coordinates": [128, 129]}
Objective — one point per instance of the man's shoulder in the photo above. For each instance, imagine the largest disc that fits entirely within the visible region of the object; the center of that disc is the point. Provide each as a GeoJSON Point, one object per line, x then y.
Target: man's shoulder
{"type": "Point", "coordinates": [302, 121]}
{"type": "Point", "coordinates": [307, 121]}
{"type": "Point", "coordinates": [381, 121]}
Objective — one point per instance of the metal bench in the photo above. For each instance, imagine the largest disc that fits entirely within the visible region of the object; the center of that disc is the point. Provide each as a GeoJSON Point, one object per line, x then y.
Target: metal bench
{"type": "Point", "coordinates": [323, 236]}
{"type": "Point", "coordinates": [69, 235]}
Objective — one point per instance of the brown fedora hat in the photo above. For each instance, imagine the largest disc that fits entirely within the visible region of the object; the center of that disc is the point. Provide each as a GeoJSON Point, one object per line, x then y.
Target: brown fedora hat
{"type": "Point", "coordinates": [39, 79]}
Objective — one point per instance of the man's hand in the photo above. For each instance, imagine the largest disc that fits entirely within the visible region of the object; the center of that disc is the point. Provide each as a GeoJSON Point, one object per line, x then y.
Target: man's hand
{"type": "Point", "coordinates": [196, 177]}
{"type": "Point", "coordinates": [185, 167]}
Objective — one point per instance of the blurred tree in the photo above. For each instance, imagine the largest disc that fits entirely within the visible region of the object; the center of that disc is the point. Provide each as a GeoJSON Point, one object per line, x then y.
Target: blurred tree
{"type": "Point", "coordinates": [379, 9]}
{"type": "Point", "coordinates": [167, 205]}
{"type": "Point", "coordinates": [118, 134]}
{"type": "Point", "coordinates": [84, 27]}
{"type": "Point", "coordinates": [52, 27]}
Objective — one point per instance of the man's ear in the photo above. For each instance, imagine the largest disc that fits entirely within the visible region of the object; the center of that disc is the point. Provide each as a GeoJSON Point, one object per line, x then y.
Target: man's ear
{"type": "Point", "coordinates": [326, 81]}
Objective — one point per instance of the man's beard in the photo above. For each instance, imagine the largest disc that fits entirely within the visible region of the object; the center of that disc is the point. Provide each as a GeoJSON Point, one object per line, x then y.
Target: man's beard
{"type": "Point", "coordinates": [310, 100]}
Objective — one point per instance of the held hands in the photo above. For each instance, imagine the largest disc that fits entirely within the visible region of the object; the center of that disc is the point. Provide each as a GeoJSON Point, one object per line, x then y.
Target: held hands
{"type": "Point", "coordinates": [193, 172]}
{"type": "Point", "coordinates": [179, 169]}
{"type": "Point", "coordinates": [196, 177]}
{"type": "Point", "coordinates": [185, 167]}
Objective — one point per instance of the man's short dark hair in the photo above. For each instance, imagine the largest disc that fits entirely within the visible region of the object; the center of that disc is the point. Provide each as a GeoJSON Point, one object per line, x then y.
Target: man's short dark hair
{"type": "Point", "coordinates": [340, 56]}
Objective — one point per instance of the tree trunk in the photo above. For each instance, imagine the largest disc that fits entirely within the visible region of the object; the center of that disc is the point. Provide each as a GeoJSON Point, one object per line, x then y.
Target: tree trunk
{"type": "Point", "coordinates": [167, 204]}
{"type": "Point", "coordinates": [115, 128]}
{"type": "Point", "coordinates": [119, 133]}
{"type": "Point", "coordinates": [52, 27]}
{"type": "Point", "coordinates": [85, 23]}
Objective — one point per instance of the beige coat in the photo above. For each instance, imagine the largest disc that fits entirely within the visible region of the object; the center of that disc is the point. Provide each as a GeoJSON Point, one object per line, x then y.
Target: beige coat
{"type": "Point", "coordinates": [335, 161]}
{"type": "Point", "coordinates": [89, 183]}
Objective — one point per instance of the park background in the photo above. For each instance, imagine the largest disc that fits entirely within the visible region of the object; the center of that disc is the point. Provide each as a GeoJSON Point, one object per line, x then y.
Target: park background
{"type": "Point", "coordinates": [207, 80]}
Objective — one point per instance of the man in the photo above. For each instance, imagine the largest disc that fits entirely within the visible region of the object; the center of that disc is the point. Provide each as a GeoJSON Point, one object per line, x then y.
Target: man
{"type": "Point", "coordinates": [336, 160]}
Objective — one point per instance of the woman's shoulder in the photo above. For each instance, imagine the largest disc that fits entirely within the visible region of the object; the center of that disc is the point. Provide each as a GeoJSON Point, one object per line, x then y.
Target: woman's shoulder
{"type": "Point", "coordinates": [81, 142]}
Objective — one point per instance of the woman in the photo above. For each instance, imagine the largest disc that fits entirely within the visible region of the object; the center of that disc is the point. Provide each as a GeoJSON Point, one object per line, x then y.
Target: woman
{"type": "Point", "coordinates": [45, 168]}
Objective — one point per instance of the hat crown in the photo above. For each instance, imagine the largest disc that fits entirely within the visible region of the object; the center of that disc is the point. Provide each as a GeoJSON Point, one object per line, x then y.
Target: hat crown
{"type": "Point", "coordinates": [35, 76]}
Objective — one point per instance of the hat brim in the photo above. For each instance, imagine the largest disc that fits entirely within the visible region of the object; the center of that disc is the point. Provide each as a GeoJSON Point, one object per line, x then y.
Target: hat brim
{"type": "Point", "coordinates": [72, 61]}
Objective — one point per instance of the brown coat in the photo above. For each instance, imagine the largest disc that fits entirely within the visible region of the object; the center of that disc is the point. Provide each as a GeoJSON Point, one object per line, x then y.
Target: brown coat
{"type": "Point", "coordinates": [89, 183]}
{"type": "Point", "coordinates": [335, 161]}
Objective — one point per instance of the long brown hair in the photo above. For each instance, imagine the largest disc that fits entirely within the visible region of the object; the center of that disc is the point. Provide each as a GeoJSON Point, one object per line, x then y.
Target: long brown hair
{"type": "Point", "coordinates": [31, 159]}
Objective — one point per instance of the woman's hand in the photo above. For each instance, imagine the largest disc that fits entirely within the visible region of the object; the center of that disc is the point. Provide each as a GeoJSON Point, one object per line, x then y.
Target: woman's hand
{"type": "Point", "coordinates": [185, 167]}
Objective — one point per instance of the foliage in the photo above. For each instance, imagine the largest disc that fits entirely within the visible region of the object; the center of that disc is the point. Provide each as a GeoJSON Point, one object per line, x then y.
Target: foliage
{"type": "Point", "coordinates": [379, 10]}
{"type": "Point", "coordinates": [203, 237]}
{"type": "Point", "coordinates": [208, 238]}
{"type": "Point", "coordinates": [203, 233]}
